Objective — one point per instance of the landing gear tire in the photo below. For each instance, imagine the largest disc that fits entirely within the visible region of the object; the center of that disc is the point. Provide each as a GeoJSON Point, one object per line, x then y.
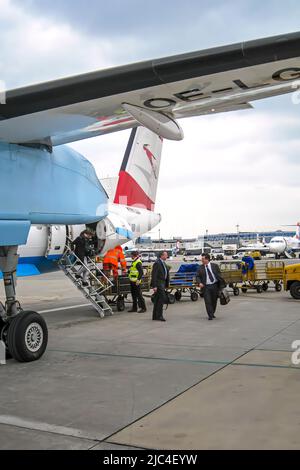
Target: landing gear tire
{"type": "Point", "coordinates": [178, 295]}
{"type": "Point", "coordinates": [295, 290]}
{"type": "Point", "coordinates": [194, 296]}
{"type": "Point", "coordinates": [120, 304]}
{"type": "Point", "coordinates": [236, 291]}
{"type": "Point", "coordinates": [27, 337]}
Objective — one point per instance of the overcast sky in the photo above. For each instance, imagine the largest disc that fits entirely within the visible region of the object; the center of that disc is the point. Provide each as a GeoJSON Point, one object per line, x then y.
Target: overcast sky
{"type": "Point", "coordinates": [233, 168]}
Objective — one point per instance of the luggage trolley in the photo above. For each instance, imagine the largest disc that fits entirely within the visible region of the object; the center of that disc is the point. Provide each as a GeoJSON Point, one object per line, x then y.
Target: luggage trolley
{"type": "Point", "coordinates": [260, 277]}
{"type": "Point", "coordinates": [231, 272]}
{"type": "Point", "coordinates": [117, 294]}
{"type": "Point", "coordinates": [183, 282]}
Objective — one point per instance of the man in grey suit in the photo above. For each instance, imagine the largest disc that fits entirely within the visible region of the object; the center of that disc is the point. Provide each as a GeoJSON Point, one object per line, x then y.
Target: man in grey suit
{"type": "Point", "coordinates": [210, 280]}
{"type": "Point", "coordinates": [159, 282]}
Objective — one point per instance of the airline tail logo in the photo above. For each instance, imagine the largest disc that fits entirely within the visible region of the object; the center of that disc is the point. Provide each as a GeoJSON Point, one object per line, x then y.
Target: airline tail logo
{"type": "Point", "coordinates": [151, 159]}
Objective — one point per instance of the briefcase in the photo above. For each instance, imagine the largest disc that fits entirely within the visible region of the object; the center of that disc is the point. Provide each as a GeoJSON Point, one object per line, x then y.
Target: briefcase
{"type": "Point", "coordinates": [224, 297]}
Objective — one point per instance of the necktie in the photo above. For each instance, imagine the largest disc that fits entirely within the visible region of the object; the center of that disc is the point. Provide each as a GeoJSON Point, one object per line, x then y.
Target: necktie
{"type": "Point", "coordinates": [210, 274]}
{"type": "Point", "coordinates": [165, 268]}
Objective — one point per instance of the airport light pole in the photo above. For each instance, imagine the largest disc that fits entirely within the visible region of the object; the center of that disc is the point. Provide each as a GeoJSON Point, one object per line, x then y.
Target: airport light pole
{"type": "Point", "coordinates": [238, 234]}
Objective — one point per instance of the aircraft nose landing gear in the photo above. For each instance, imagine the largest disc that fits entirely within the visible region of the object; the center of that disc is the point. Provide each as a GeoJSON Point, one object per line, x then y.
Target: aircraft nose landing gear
{"type": "Point", "coordinates": [24, 333]}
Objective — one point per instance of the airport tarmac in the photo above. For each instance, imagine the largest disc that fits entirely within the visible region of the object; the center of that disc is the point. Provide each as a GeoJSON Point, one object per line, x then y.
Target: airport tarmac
{"type": "Point", "coordinates": [126, 382]}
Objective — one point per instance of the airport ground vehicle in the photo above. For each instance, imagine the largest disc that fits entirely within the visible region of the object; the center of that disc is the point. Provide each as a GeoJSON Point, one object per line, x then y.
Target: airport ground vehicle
{"type": "Point", "coordinates": [291, 280]}
{"type": "Point", "coordinates": [217, 254]}
{"type": "Point", "coordinates": [256, 255]}
{"type": "Point", "coordinates": [191, 258]}
{"type": "Point", "coordinates": [149, 257]}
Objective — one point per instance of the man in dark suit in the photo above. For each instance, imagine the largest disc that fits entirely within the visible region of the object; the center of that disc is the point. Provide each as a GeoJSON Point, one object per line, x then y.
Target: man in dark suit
{"type": "Point", "coordinates": [210, 280]}
{"type": "Point", "coordinates": [159, 282]}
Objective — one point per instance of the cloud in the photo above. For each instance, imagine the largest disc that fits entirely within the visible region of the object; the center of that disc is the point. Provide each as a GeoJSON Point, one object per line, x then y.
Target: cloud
{"type": "Point", "coordinates": [159, 28]}
{"type": "Point", "coordinates": [36, 49]}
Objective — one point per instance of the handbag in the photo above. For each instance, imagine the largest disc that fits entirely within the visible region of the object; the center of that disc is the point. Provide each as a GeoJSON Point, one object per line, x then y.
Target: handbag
{"type": "Point", "coordinates": [224, 297]}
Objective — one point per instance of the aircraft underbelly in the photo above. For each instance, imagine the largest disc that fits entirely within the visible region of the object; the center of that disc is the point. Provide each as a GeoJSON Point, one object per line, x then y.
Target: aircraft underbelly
{"type": "Point", "coordinates": [39, 187]}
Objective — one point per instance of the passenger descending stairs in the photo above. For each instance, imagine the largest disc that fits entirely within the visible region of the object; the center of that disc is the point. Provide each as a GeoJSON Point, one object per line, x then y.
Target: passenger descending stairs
{"type": "Point", "coordinates": [97, 282]}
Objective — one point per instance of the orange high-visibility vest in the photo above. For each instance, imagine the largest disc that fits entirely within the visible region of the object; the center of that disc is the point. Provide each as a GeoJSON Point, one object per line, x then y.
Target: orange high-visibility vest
{"type": "Point", "coordinates": [111, 257]}
{"type": "Point", "coordinates": [121, 256]}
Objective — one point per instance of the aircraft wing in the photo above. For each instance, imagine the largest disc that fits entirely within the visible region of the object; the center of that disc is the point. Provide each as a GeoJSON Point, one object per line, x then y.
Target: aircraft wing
{"type": "Point", "coordinates": [154, 93]}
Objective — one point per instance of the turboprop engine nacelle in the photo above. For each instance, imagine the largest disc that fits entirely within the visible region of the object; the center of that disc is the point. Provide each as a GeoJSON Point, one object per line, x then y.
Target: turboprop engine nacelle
{"type": "Point", "coordinates": [111, 232]}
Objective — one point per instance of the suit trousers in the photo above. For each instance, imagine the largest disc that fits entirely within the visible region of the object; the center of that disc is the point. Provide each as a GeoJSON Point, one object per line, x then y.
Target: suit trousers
{"type": "Point", "coordinates": [137, 297]}
{"type": "Point", "coordinates": [159, 300]}
{"type": "Point", "coordinates": [211, 294]}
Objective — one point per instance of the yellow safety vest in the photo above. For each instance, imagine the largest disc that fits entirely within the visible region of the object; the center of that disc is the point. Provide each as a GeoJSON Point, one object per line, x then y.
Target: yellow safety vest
{"type": "Point", "coordinates": [133, 272]}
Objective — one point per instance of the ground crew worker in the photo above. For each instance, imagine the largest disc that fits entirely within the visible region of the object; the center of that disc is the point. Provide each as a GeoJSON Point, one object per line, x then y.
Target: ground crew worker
{"type": "Point", "coordinates": [135, 277]}
{"type": "Point", "coordinates": [111, 261]}
{"type": "Point", "coordinates": [121, 259]}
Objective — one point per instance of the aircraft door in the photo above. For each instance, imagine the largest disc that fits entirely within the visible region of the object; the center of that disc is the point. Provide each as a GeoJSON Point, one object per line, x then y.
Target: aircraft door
{"type": "Point", "coordinates": [57, 236]}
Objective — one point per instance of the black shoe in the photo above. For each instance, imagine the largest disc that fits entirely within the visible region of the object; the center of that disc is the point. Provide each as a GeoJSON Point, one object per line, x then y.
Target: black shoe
{"type": "Point", "coordinates": [210, 318]}
{"type": "Point", "coordinates": [85, 284]}
{"type": "Point", "coordinates": [213, 316]}
{"type": "Point", "coordinates": [142, 310]}
{"type": "Point", "coordinates": [162, 319]}
{"type": "Point", "coordinates": [132, 310]}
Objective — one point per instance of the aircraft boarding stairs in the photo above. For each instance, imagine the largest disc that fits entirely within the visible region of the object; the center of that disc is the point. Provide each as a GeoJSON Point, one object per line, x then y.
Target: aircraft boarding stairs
{"type": "Point", "coordinates": [97, 281]}
{"type": "Point", "coordinates": [288, 254]}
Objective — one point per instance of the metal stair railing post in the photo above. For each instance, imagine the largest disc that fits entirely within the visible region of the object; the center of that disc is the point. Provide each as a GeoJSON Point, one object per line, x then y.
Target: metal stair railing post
{"type": "Point", "coordinates": [68, 266]}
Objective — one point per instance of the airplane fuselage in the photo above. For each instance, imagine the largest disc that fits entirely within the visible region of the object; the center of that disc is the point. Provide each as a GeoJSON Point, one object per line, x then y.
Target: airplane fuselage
{"type": "Point", "coordinates": [46, 243]}
{"type": "Point", "coordinates": [46, 186]}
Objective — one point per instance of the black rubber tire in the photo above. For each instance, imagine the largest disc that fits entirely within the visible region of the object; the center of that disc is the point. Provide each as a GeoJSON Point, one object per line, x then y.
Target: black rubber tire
{"type": "Point", "coordinates": [244, 290]}
{"type": "Point", "coordinates": [236, 291]}
{"type": "Point", "coordinates": [265, 287]}
{"type": "Point", "coordinates": [120, 304]}
{"type": "Point", "coordinates": [178, 295]}
{"type": "Point", "coordinates": [295, 290]}
{"type": "Point", "coordinates": [278, 287]}
{"type": "Point", "coordinates": [171, 298]}
{"type": "Point", "coordinates": [194, 296]}
{"type": "Point", "coordinates": [259, 289]}
{"type": "Point", "coordinates": [16, 337]}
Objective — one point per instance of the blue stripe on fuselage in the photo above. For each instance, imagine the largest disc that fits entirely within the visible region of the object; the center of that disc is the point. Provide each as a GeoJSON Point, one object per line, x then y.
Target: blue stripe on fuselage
{"type": "Point", "coordinates": [35, 265]}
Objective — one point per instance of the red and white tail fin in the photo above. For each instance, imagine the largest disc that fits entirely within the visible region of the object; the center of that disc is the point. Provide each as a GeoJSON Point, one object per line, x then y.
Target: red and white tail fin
{"type": "Point", "coordinates": [139, 172]}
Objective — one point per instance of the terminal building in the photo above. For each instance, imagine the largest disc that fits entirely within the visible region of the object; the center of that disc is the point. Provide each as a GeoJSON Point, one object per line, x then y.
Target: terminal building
{"type": "Point", "coordinates": [208, 241]}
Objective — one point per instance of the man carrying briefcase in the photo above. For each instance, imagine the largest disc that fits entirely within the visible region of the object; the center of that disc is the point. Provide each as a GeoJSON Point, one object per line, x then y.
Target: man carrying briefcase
{"type": "Point", "coordinates": [210, 280]}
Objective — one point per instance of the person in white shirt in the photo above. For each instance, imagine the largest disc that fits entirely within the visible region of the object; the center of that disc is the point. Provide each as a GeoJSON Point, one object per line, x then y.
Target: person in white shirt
{"type": "Point", "coordinates": [210, 280]}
